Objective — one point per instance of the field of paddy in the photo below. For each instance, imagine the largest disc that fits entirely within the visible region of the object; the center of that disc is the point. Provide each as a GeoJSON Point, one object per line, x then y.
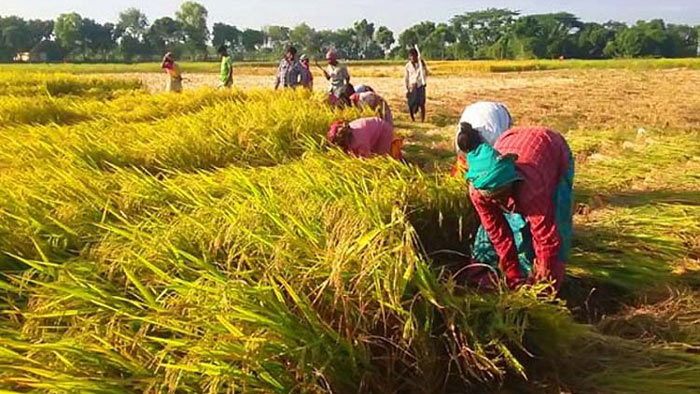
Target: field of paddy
{"type": "Point", "coordinates": [149, 244]}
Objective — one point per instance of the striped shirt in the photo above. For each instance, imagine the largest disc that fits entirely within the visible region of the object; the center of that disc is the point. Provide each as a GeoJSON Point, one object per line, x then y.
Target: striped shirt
{"type": "Point", "coordinates": [288, 74]}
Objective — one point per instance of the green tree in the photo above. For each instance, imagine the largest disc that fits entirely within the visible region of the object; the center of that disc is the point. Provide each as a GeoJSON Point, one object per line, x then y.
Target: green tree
{"type": "Point", "coordinates": [131, 29]}
{"type": "Point", "coordinates": [415, 35]}
{"type": "Point", "coordinates": [277, 38]}
{"type": "Point", "coordinates": [228, 35]}
{"type": "Point", "coordinates": [593, 39]}
{"type": "Point", "coordinates": [97, 39]}
{"type": "Point", "coordinates": [643, 39]}
{"type": "Point", "coordinates": [164, 35]}
{"type": "Point", "coordinates": [476, 32]}
{"type": "Point", "coordinates": [39, 31]}
{"type": "Point", "coordinates": [69, 33]}
{"type": "Point", "coordinates": [684, 40]}
{"type": "Point", "coordinates": [133, 22]}
{"type": "Point", "coordinates": [344, 41]}
{"type": "Point", "coordinates": [14, 37]}
{"type": "Point", "coordinates": [193, 17]}
{"type": "Point", "coordinates": [546, 36]}
{"type": "Point", "coordinates": [364, 37]}
{"type": "Point", "coordinates": [385, 38]}
{"type": "Point", "coordinates": [436, 44]}
{"type": "Point", "coordinates": [307, 39]}
{"type": "Point", "coordinates": [252, 39]}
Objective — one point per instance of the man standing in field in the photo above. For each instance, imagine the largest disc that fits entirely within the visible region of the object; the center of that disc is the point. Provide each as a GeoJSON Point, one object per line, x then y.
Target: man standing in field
{"type": "Point", "coordinates": [226, 67]}
{"type": "Point", "coordinates": [289, 71]}
{"type": "Point", "coordinates": [174, 83]}
{"type": "Point", "coordinates": [415, 78]}
{"type": "Point", "coordinates": [339, 78]}
{"type": "Point", "coordinates": [529, 171]}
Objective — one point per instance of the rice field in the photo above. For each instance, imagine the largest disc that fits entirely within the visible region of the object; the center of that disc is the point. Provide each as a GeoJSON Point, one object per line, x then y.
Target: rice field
{"type": "Point", "coordinates": [212, 241]}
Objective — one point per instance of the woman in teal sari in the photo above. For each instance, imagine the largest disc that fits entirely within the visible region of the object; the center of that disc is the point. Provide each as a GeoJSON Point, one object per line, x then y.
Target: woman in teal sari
{"type": "Point", "coordinates": [484, 123]}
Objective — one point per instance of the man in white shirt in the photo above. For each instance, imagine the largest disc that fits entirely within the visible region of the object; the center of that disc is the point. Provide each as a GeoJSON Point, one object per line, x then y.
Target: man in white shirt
{"type": "Point", "coordinates": [415, 78]}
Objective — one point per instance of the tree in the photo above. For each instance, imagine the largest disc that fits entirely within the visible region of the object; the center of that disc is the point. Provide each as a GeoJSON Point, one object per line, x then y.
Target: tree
{"type": "Point", "coordinates": [684, 40]}
{"type": "Point", "coordinates": [643, 39]}
{"type": "Point", "coordinates": [97, 38]}
{"type": "Point", "coordinates": [39, 31]}
{"type": "Point", "coordinates": [193, 17]}
{"type": "Point", "coordinates": [131, 30]}
{"type": "Point", "coordinates": [343, 40]}
{"type": "Point", "coordinates": [385, 38]}
{"type": "Point", "coordinates": [252, 39]}
{"type": "Point", "coordinates": [133, 22]}
{"type": "Point", "coordinates": [164, 34]}
{"type": "Point", "coordinates": [415, 35]}
{"type": "Point", "coordinates": [14, 37]}
{"type": "Point", "coordinates": [364, 35]}
{"type": "Point", "coordinates": [224, 34]}
{"type": "Point", "coordinates": [276, 37]}
{"type": "Point", "coordinates": [593, 39]}
{"type": "Point", "coordinates": [477, 31]}
{"type": "Point", "coordinates": [435, 45]}
{"type": "Point", "coordinates": [68, 32]}
{"type": "Point", "coordinates": [307, 39]}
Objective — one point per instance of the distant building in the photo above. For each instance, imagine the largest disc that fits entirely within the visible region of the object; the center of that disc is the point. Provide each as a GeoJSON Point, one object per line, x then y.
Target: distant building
{"type": "Point", "coordinates": [22, 57]}
{"type": "Point", "coordinates": [45, 51]}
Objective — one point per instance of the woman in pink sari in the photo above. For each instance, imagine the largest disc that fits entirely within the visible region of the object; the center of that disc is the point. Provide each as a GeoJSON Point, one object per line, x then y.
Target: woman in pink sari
{"type": "Point", "coordinates": [366, 138]}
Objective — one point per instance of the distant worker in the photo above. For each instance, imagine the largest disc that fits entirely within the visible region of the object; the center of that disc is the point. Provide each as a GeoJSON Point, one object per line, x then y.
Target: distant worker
{"type": "Point", "coordinates": [226, 77]}
{"type": "Point", "coordinates": [366, 138]}
{"type": "Point", "coordinates": [338, 76]}
{"type": "Point", "coordinates": [307, 78]}
{"type": "Point", "coordinates": [174, 83]}
{"type": "Point", "coordinates": [375, 102]}
{"type": "Point", "coordinates": [416, 75]}
{"type": "Point", "coordinates": [289, 70]}
{"type": "Point", "coordinates": [529, 171]}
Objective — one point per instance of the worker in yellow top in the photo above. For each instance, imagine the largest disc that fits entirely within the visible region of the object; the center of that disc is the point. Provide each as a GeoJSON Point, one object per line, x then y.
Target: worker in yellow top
{"type": "Point", "coordinates": [174, 83]}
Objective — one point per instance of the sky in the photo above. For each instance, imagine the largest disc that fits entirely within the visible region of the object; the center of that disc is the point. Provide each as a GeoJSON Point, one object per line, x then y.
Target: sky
{"type": "Point", "coordinates": [322, 14]}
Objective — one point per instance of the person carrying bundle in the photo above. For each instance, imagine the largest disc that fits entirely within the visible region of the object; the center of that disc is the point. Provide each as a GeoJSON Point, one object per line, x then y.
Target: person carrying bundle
{"type": "Point", "coordinates": [415, 77]}
{"type": "Point", "coordinates": [365, 138]}
{"type": "Point", "coordinates": [289, 71]}
{"type": "Point", "coordinates": [375, 102]}
{"type": "Point", "coordinates": [529, 171]}
{"type": "Point", "coordinates": [174, 83]}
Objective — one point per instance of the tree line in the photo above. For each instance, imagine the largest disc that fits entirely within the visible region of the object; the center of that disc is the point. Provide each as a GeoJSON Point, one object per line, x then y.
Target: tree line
{"type": "Point", "coordinates": [488, 34]}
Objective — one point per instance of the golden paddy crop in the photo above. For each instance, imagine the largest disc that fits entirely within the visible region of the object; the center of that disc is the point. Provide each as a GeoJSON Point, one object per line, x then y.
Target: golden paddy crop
{"type": "Point", "coordinates": [212, 242]}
